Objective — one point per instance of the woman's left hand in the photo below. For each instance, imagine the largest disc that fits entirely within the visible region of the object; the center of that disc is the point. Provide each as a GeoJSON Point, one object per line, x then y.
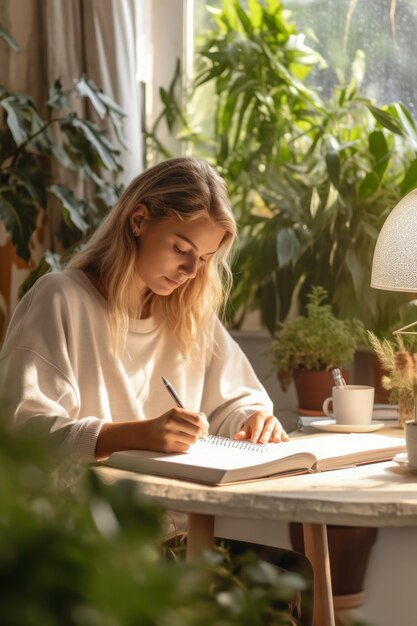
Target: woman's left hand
{"type": "Point", "coordinates": [260, 427]}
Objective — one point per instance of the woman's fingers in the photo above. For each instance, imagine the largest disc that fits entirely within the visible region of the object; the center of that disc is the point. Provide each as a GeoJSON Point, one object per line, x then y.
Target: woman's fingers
{"type": "Point", "coordinates": [192, 423]}
{"type": "Point", "coordinates": [279, 434]}
{"type": "Point", "coordinates": [268, 428]}
{"type": "Point", "coordinates": [181, 428]}
{"type": "Point", "coordinates": [262, 428]}
{"type": "Point", "coordinates": [244, 433]}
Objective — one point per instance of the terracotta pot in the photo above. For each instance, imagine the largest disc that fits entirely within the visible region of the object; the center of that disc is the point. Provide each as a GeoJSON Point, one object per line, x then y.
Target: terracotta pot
{"type": "Point", "coordinates": [349, 550]}
{"type": "Point", "coordinates": [313, 387]}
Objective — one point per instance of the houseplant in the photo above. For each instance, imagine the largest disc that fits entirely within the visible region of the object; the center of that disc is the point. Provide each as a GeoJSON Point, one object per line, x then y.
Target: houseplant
{"type": "Point", "coordinates": [308, 347]}
{"type": "Point", "coordinates": [56, 165]}
{"type": "Point", "coordinates": [311, 178]}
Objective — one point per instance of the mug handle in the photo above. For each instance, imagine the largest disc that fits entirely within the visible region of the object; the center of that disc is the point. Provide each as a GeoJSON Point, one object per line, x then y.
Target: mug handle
{"type": "Point", "coordinates": [326, 410]}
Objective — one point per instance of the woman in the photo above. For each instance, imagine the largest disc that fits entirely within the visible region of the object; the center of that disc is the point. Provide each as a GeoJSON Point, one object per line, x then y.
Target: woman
{"type": "Point", "coordinates": [86, 348]}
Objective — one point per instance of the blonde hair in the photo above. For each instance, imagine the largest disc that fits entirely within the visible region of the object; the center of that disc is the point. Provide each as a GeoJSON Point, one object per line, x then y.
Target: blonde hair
{"type": "Point", "coordinates": [183, 186]}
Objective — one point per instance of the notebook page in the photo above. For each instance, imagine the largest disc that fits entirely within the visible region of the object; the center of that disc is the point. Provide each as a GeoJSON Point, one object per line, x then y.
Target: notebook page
{"type": "Point", "coordinates": [224, 453]}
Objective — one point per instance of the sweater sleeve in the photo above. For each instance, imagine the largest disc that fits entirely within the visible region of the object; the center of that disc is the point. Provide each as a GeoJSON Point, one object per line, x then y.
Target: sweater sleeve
{"type": "Point", "coordinates": [35, 392]}
{"type": "Point", "coordinates": [232, 390]}
{"type": "Point", "coordinates": [36, 381]}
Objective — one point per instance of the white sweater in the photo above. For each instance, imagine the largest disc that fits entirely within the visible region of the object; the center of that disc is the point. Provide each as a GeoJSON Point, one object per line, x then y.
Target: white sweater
{"type": "Point", "coordinates": [56, 365]}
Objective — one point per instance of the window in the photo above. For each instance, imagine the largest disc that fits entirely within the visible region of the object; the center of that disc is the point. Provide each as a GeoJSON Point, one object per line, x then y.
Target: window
{"type": "Point", "coordinates": [334, 30]}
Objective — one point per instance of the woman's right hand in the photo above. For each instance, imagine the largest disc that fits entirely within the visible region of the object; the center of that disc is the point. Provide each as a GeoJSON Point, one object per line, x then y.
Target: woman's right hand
{"type": "Point", "coordinates": [174, 431]}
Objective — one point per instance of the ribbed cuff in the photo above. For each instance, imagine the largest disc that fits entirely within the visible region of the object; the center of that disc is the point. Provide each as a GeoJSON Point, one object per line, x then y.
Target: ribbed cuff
{"type": "Point", "coordinates": [82, 439]}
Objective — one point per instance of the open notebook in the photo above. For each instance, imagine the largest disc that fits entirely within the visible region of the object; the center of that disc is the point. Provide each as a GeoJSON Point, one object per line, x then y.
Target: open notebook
{"type": "Point", "coordinates": [218, 460]}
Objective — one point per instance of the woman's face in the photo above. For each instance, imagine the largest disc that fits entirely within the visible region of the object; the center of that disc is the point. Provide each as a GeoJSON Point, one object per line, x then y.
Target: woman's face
{"type": "Point", "coordinates": [171, 251]}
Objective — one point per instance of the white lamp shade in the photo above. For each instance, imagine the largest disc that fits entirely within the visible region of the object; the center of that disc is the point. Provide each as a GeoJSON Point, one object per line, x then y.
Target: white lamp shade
{"type": "Point", "coordinates": [394, 265]}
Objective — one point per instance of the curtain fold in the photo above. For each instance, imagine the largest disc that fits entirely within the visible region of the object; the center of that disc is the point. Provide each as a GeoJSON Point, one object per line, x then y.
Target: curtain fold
{"type": "Point", "coordinates": [98, 38]}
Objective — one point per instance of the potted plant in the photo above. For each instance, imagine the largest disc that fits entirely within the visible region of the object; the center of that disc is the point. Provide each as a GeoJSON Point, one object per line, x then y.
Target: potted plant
{"type": "Point", "coordinates": [398, 358]}
{"type": "Point", "coordinates": [308, 347]}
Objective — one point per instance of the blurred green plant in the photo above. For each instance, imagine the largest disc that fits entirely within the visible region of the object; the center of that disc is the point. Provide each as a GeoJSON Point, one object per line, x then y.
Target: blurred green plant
{"type": "Point", "coordinates": [46, 153]}
{"type": "Point", "coordinates": [75, 551]}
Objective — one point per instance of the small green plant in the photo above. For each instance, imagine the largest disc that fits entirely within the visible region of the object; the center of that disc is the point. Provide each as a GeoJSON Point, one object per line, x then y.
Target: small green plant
{"type": "Point", "coordinates": [316, 341]}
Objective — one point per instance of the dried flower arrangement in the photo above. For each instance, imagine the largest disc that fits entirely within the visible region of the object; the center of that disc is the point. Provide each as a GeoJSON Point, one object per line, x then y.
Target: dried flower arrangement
{"type": "Point", "coordinates": [400, 363]}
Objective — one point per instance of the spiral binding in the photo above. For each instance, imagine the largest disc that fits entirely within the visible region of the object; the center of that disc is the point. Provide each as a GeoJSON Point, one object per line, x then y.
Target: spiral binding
{"type": "Point", "coordinates": [217, 440]}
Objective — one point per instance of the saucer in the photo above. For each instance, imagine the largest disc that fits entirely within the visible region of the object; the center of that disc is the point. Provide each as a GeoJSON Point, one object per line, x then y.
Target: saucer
{"type": "Point", "coordinates": [402, 459]}
{"type": "Point", "coordinates": [331, 427]}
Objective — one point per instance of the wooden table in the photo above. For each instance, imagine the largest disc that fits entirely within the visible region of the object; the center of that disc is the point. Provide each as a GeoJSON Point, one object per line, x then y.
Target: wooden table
{"type": "Point", "coordinates": [381, 494]}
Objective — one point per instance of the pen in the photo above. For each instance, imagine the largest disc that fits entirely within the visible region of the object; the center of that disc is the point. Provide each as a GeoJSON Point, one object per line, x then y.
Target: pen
{"type": "Point", "coordinates": [173, 393]}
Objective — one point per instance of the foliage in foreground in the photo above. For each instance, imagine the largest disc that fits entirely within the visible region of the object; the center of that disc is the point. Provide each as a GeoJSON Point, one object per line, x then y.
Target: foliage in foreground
{"type": "Point", "coordinates": [77, 552]}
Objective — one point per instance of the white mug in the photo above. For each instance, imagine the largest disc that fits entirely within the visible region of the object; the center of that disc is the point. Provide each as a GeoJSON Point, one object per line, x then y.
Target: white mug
{"type": "Point", "coordinates": [352, 404]}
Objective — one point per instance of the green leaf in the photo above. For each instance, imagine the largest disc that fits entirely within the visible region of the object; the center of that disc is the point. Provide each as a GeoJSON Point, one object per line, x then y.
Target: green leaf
{"type": "Point", "coordinates": [63, 158]}
{"type": "Point", "coordinates": [333, 167]}
{"type": "Point", "coordinates": [73, 206]}
{"type": "Point", "coordinates": [170, 108]}
{"type": "Point", "coordinates": [95, 137]}
{"type": "Point", "coordinates": [19, 217]}
{"type": "Point", "coordinates": [32, 179]}
{"type": "Point", "coordinates": [269, 304]}
{"type": "Point", "coordinates": [379, 149]}
{"type": "Point", "coordinates": [9, 39]}
{"type": "Point", "coordinates": [255, 10]}
{"type": "Point", "coordinates": [244, 19]}
{"type": "Point", "coordinates": [385, 119]}
{"type": "Point", "coordinates": [206, 77]}
{"type": "Point", "coordinates": [368, 185]}
{"type": "Point", "coordinates": [111, 105]}
{"type": "Point", "coordinates": [407, 123]}
{"type": "Point", "coordinates": [57, 97]}
{"type": "Point", "coordinates": [227, 113]}
{"type": "Point", "coordinates": [243, 83]}
{"type": "Point", "coordinates": [315, 202]}
{"type": "Point", "coordinates": [410, 179]}
{"type": "Point", "coordinates": [17, 120]}
{"type": "Point", "coordinates": [243, 112]}
{"type": "Point", "coordinates": [288, 247]}
{"type": "Point", "coordinates": [88, 89]}
{"type": "Point", "coordinates": [119, 128]}
{"type": "Point", "coordinates": [24, 122]}
{"type": "Point", "coordinates": [355, 269]}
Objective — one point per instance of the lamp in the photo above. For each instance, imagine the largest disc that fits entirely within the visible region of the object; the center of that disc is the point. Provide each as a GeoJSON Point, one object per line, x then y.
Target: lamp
{"type": "Point", "coordinates": [394, 265]}
{"type": "Point", "coordinates": [394, 268]}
